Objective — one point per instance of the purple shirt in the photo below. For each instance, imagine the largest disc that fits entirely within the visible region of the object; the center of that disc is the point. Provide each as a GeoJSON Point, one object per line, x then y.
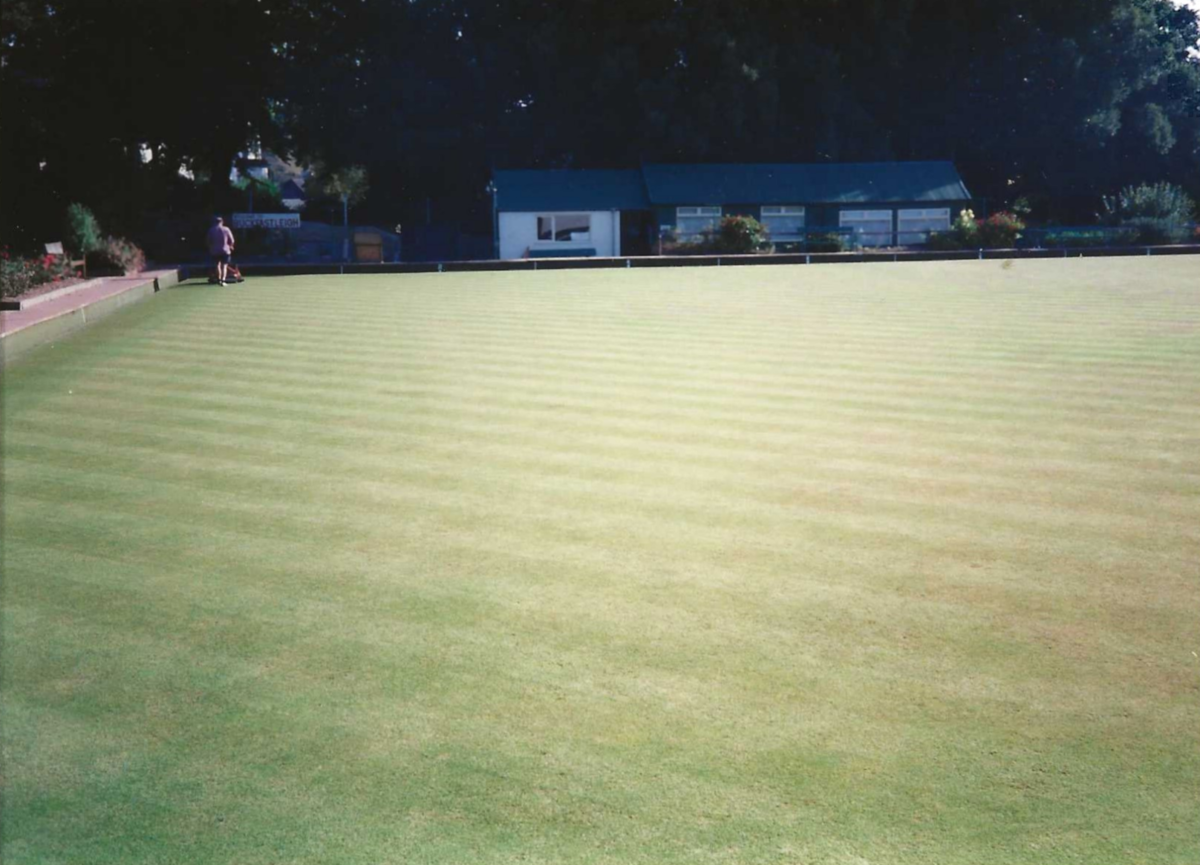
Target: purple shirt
{"type": "Point", "coordinates": [220, 240]}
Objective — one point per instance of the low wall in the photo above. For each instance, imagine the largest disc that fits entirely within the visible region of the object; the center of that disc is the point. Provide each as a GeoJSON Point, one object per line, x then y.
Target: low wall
{"type": "Point", "coordinates": [51, 321]}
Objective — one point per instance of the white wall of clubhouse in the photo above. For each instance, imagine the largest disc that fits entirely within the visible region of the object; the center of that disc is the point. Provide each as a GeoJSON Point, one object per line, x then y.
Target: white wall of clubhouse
{"type": "Point", "coordinates": [519, 233]}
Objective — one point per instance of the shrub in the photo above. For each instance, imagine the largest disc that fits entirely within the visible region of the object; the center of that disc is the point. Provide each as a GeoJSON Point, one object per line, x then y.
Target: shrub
{"type": "Point", "coordinates": [672, 244]}
{"type": "Point", "coordinates": [1160, 212]}
{"type": "Point", "coordinates": [739, 235]}
{"type": "Point", "coordinates": [944, 240]}
{"type": "Point", "coordinates": [1162, 201]}
{"type": "Point", "coordinates": [831, 242]}
{"type": "Point", "coordinates": [1000, 230]}
{"type": "Point", "coordinates": [20, 275]}
{"type": "Point", "coordinates": [734, 235]}
{"type": "Point", "coordinates": [966, 229]}
{"type": "Point", "coordinates": [116, 256]}
{"type": "Point", "coordinates": [17, 275]}
{"type": "Point", "coordinates": [1155, 231]}
{"type": "Point", "coordinates": [963, 233]}
{"type": "Point", "coordinates": [82, 231]}
{"type": "Point", "coordinates": [1076, 239]}
{"type": "Point", "coordinates": [54, 268]}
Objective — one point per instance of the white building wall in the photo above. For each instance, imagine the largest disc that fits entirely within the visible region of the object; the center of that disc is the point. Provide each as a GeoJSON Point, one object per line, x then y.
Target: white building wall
{"type": "Point", "coordinates": [518, 233]}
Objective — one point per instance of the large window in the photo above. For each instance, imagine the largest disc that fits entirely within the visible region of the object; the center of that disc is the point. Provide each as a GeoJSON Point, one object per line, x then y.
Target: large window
{"type": "Point", "coordinates": [871, 227]}
{"type": "Point", "coordinates": [564, 227]}
{"type": "Point", "coordinates": [785, 222]}
{"type": "Point", "coordinates": [690, 222]}
{"type": "Point", "coordinates": [914, 225]}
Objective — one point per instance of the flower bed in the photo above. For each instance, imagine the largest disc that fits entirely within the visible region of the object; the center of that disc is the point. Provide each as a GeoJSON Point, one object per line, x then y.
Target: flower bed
{"type": "Point", "coordinates": [23, 276]}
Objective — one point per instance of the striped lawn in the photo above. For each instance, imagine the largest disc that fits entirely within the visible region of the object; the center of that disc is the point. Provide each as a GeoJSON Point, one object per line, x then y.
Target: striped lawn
{"type": "Point", "coordinates": [862, 564]}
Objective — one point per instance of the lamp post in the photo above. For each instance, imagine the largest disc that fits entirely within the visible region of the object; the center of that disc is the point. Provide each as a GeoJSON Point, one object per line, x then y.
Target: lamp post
{"type": "Point", "coordinates": [346, 226]}
{"type": "Point", "coordinates": [491, 188]}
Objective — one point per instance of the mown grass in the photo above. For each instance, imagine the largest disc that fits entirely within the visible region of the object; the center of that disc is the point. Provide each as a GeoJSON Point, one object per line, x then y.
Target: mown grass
{"type": "Point", "coordinates": [864, 564]}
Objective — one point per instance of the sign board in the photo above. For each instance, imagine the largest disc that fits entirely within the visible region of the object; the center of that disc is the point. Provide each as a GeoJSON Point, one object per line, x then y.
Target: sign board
{"type": "Point", "coordinates": [266, 220]}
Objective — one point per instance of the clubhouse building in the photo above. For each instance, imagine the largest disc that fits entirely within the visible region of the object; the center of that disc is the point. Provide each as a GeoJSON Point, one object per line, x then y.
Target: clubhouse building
{"type": "Point", "coordinates": [571, 212]}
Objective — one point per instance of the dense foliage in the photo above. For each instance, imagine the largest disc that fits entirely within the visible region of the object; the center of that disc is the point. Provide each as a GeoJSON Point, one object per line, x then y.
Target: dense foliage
{"type": "Point", "coordinates": [1055, 101]}
{"type": "Point", "coordinates": [740, 235]}
{"type": "Point", "coordinates": [116, 255]}
{"type": "Point", "coordinates": [1157, 212]}
{"type": "Point", "coordinates": [82, 234]}
{"type": "Point", "coordinates": [733, 235]}
{"type": "Point", "coordinates": [1001, 230]}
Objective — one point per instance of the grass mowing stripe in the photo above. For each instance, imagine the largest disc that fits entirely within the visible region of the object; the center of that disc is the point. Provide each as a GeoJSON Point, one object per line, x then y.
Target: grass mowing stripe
{"type": "Point", "coordinates": [374, 409]}
{"type": "Point", "coordinates": [800, 343]}
{"type": "Point", "coordinates": [1110, 445]}
{"type": "Point", "coordinates": [425, 331]}
{"type": "Point", "coordinates": [581, 394]}
{"type": "Point", "coordinates": [1164, 475]}
{"type": "Point", "coordinates": [682, 381]}
{"type": "Point", "coordinates": [1169, 475]}
{"type": "Point", "coordinates": [824, 479]}
{"type": "Point", "coordinates": [359, 502]}
{"type": "Point", "coordinates": [1015, 355]}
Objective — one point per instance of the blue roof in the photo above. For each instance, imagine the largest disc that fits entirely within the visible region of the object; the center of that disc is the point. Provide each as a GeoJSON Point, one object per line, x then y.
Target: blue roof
{"type": "Point", "coordinates": [570, 189]}
{"type": "Point", "coordinates": [783, 183]}
{"type": "Point", "coordinates": [826, 183]}
{"type": "Point", "coordinates": [291, 190]}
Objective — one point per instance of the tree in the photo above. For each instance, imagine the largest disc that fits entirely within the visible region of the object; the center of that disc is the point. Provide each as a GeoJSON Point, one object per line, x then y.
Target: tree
{"type": "Point", "coordinates": [1054, 100]}
{"type": "Point", "coordinates": [97, 82]}
{"type": "Point", "coordinates": [349, 185]}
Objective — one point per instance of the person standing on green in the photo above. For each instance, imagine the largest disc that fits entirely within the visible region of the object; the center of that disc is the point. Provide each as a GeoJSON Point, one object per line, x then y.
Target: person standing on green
{"type": "Point", "coordinates": [220, 247]}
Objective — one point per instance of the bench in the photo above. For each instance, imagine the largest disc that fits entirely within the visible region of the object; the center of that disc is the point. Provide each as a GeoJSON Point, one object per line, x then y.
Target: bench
{"type": "Point", "coordinates": [57, 249]}
{"type": "Point", "coordinates": [562, 253]}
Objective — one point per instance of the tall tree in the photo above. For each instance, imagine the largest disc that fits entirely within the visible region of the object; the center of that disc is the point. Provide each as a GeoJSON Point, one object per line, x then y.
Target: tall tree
{"type": "Point", "coordinates": [97, 81]}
